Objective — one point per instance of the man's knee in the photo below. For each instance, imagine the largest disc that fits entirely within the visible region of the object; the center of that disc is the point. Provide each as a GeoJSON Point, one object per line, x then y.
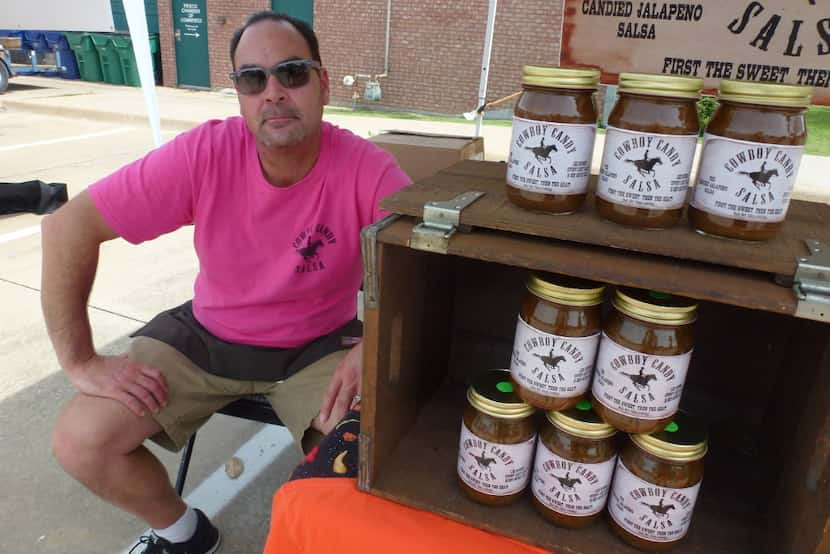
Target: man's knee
{"type": "Point", "coordinates": [92, 428]}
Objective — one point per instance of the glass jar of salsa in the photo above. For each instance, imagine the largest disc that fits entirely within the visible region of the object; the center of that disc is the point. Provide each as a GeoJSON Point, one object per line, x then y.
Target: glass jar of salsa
{"type": "Point", "coordinates": [557, 335]}
{"type": "Point", "coordinates": [554, 126]}
{"type": "Point", "coordinates": [575, 459]}
{"type": "Point", "coordinates": [751, 154]}
{"type": "Point", "coordinates": [498, 435]}
{"type": "Point", "coordinates": [649, 149]}
{"type": "Point", "coordinates": [656, 484]}
{"type": "Point", "coordinates": [643, 358]}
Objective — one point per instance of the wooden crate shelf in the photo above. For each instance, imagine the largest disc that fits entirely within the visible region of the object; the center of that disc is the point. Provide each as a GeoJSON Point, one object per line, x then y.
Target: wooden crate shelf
{"type": "Point", "coordinates": [759, 378]}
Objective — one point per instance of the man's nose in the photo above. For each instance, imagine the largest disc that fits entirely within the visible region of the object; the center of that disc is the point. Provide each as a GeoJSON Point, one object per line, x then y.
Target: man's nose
{"type": "Point", "coordinates": [274, 90]}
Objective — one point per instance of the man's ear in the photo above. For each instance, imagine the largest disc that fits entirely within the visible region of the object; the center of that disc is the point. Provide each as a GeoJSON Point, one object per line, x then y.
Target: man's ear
{"type": "Point", "coordinates": [324, 85]}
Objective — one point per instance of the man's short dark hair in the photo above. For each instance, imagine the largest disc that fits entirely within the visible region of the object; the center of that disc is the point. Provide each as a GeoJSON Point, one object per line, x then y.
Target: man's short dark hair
{"type": "Point", "coordinates": [302, 27]}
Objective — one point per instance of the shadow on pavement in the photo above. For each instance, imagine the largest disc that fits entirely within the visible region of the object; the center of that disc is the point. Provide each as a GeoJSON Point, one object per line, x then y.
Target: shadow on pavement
{"type": "Point", "coordinates": [21, 87]}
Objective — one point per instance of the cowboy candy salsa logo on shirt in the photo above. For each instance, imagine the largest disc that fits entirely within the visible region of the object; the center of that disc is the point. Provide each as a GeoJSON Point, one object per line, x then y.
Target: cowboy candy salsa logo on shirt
{"type": "Point", "coordinates": [550, 158]}
{"type": "Point", "coordinates": [746, 180]}
{"type": "Point", "coordinates": [311, 245]}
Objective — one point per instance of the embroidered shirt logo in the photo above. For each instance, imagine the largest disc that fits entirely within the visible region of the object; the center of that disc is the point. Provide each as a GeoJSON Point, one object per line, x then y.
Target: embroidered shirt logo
{"type": "Point", "coordinates": [312, 245]}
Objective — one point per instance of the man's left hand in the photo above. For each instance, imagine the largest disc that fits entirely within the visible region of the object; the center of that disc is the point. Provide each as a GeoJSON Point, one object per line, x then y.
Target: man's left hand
{"type": "Point", "coordinates": [344, 387]}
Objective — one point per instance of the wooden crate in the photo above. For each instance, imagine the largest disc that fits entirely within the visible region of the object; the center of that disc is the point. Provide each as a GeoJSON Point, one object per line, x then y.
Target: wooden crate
{"type": "Point", "coordinates": [760, 378]}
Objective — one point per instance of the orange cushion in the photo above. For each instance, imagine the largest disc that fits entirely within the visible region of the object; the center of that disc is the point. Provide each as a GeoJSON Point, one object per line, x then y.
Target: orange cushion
{"type": "Point", "coordinates": [311, 516]}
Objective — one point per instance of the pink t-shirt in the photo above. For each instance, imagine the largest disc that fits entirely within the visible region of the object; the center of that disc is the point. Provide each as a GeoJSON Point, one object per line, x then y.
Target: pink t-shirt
{"type": "Point", "coordinates": [277, 266]}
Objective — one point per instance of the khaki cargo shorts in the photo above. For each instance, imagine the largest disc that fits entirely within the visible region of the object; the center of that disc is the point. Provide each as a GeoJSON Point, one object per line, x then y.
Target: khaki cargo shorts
{"type": "Point", "coordinates": [194, 395]}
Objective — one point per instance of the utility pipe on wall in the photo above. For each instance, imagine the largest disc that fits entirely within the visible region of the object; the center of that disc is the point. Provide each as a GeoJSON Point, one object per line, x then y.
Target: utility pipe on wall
{"type": "Point", "coordinates": [385, 50]}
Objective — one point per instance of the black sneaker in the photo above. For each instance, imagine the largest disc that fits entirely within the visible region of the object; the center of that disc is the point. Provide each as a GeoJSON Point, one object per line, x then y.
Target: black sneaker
{"type": "Point", "coordinates": [206, 540]}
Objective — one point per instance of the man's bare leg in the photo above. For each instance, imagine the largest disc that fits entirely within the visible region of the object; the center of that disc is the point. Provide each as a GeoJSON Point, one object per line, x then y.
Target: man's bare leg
{"type": "Point", "coordinates": [99, 442]}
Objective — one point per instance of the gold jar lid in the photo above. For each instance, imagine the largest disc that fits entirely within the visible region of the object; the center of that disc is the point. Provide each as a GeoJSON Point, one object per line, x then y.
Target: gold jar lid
{"type": "Point", "coordinates": [658, 84]}
{"type": "Point", "coordinates": [682, 440]}
{"type": "Point", "coordinates": [582, 421]}
{"type": "Point", "coordinates": [493, 393]}
{"type": "Point", "coordinates": [570, 291]}
{"type": "Point", "coordinates": [655, 307]}
{"type": "Point", "coordinates": [560, 77]}
{"type": "Point", "coordinates": [770, 94]}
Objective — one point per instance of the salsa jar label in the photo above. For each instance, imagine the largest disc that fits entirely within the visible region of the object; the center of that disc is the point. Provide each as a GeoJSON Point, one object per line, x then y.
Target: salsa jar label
{"type": "Point", "coordinates": [550, 158]}
{"type": "Point", "coordinates": [570, 488]}
{"type": "Point", "coordinates": [749, 181]}
{"type": "Point", "coordinates": [643, 386]}
{"type": "Point", "coordinates": [646, 170]}
{"type": "Point", "coordinates": [493, 468]}
{"type": "Point", "coordinates": [552, 365]}
{"type": "Point", "coordinates": [652, 513]}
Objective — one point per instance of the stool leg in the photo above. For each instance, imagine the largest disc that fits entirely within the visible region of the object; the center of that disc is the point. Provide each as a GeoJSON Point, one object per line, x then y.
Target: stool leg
{"type": "Point", "coordinates": [183, 465]}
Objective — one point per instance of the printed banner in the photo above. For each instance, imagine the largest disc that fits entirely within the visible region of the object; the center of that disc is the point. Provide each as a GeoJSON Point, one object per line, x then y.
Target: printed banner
{"type": "Point", "coordinates": [784, 41]}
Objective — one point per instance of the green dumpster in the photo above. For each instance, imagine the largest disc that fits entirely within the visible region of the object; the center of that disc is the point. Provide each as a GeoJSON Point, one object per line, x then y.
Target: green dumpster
{"type": "Point", "coordinates": [89, 65]}
{"type": "Point", "coordinates": [110, 62]}
{"type": "Point", "coordinates": [155, 52]}
{"type": "Point", "coordinates": [124, 49]}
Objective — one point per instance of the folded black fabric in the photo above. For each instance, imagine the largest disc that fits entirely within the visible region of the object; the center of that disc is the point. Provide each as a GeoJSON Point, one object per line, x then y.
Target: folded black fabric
{"type": "Point", "coordinates": [32, 196]}
{"type": "Point", "coordinates": [337, 454]}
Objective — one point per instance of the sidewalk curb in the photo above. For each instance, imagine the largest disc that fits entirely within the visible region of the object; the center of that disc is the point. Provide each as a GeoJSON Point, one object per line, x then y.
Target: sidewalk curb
{"type": "Point", "coordinates": [167, 123]}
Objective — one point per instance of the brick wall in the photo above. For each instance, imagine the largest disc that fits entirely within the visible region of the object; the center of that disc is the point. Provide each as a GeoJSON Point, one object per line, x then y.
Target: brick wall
{"type": "Point", "coordinates": [434, 54]}
{"type": "Point", "coordinates": [223, 18]}
{"type": "Point", "coordinates": [435, 48]}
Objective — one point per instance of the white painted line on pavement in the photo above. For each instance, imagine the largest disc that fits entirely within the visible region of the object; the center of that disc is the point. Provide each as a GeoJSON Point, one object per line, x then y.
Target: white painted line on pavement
{"type": "Point", "coordinates": [20, 233]}
{"type": "Point", "coordinates": [65, 139]}
{"type": "Point", "coordinates": [218, 490]}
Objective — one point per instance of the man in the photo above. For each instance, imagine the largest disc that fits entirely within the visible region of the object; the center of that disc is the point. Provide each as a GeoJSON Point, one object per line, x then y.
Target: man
{"type": "Point", "coordinates": [277, 199]}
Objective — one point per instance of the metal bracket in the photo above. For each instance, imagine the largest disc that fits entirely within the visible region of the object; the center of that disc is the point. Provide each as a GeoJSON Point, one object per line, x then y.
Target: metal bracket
{"type": "Point", "coordinates": [369, 249]}
{"type": "Point", "coordinates": [812, 283]}
{"type": "Point", "coordinates": [441, 221]}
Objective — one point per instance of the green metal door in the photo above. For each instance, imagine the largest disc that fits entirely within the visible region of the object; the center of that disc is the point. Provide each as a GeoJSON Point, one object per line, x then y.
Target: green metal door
{"type": "Point", "coordinates": [301, 9]}
{"type": "Point", "coordinates": [190, 33]}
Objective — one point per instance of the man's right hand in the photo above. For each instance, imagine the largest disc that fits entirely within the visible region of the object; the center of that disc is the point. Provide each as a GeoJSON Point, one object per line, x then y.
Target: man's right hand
{"type": "Point", "coordinates": [140, 388]}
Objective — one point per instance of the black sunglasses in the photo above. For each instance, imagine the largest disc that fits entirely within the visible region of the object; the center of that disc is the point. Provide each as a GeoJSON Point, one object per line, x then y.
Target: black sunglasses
{"type": "Point", "coordinates": [290, 74]}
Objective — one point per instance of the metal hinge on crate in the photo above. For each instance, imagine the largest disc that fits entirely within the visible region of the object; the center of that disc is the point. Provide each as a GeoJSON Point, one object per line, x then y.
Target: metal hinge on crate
{"type": "Point", "coordinates": [369, 249]}
{"type": "Point", "coordinates": [441, 221]}
{"type": "Point", "coordinates": [812, 283]}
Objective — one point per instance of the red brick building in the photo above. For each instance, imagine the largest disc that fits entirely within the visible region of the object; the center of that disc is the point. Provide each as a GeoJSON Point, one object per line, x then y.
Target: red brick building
{"type": "Point", "coordinates": [435, 46]}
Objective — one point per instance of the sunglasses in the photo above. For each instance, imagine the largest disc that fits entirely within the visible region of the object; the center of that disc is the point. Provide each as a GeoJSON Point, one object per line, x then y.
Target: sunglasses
{"type": "Point", "coordinates": [290, 74]}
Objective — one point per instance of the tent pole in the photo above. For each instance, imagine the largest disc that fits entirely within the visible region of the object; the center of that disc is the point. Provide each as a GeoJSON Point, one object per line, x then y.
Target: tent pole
{"type": "Point", "coordinates": [137, 22]}
{"type": "Point", "coordinates": [485, 63]}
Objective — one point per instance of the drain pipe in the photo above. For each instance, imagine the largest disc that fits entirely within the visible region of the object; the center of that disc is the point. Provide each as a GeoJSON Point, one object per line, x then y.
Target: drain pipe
{"type": "Point", "coordinates": [485, 62]}
{"type": "Point", "coordinates": [385, 50]}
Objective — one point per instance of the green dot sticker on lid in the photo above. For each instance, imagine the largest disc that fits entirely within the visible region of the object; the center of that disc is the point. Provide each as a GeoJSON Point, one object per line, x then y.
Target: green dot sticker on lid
{"type": "Point", "coordinates": [584, 406]}
{"type": "Point", "coordinates": [504, 386]}
{"type": "Point", "coordinates": [659, 295]}
{"type": "Point", "coordinates": [672, 427]}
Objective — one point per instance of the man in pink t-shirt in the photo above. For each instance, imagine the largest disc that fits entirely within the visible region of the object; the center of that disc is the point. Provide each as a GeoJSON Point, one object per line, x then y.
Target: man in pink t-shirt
{"type": "Point", "coordinates": [277, 199]}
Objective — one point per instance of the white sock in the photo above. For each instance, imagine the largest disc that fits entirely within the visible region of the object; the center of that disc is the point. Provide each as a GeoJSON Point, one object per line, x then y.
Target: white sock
{"type": "Point", "coordinates": [182, 530]}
